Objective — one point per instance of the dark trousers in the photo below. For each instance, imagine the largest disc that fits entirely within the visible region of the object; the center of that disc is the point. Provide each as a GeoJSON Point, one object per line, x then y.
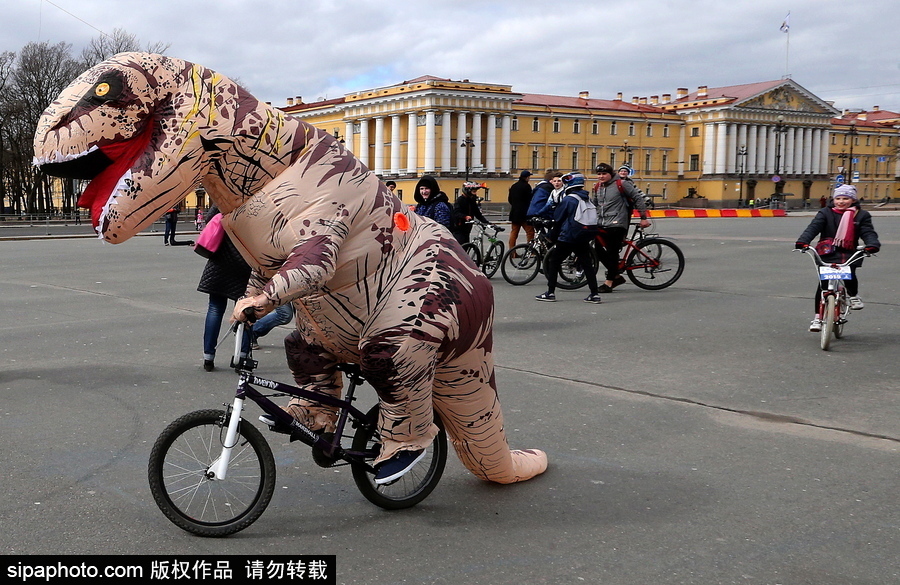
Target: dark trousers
{"type": "Point", "coordinates": [582, 251]}
{"type": "Point", "coordinates": [611, 240]}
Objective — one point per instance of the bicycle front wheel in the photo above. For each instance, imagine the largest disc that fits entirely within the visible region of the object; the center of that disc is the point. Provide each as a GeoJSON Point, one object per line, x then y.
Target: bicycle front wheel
{"type": "Point", "coordinates": [179, 475]}
{"type": "Point", "coordinates": [492, 260]}
{"type": "Point", "coordinates": [654, 264]}
{"type": "Point", "coordinates": [841, 309]}
{"type": "Point", "coordinates": [828, 319]}
{"type": "Point", "coordinates": [571, 274]}
{"type": "Point", "coordinates": [473, 252]}
{"type": "Point", "coordinates": [521, 264]}
{"type": "Point", "coordinates": [413, 487]}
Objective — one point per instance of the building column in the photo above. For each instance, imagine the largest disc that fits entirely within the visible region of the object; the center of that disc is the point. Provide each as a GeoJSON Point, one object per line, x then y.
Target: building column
{"type": "Point", "coordinates": [364, 141]}
{"type": "Point", "coordinates": [429, 142]}
{"type": "Point", "coordinates": [787, 158]}
{"type": "Point", "coordinates": [770, 150]}
{"type": "Point", "coordinates": [412, 146]}
{"type": "Point", "coordinates": [741, 141]}
{"type": "Point", "coordinates": [505, 144]}
{"type": "Point", "coordinates": [379, 145]}
{"type": "Point", "coordinates": [491, 157]}
{"type": "Point", "coordinates": [709, 149]}
{"type": "Point", "coordinates": [807, 151]}
{"type": "Point", "coordinates": [349, 137]}
{"type": "Point", "coordinates": [395, 144]}
{"type": "Point", "coordinates": [752, 134]}
{"type": "Point", "coordinates": [446, 143]}
{"type": "Point", "coordinates": [476, 138]}
{"type": "Point", "coordinates": [825, 141]}
{"type": "Point", "coordinates": [460, 136]}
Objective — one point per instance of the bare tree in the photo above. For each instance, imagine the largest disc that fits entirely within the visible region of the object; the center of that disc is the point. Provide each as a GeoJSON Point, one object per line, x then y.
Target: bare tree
{"type": "Point", "coordinates": [105, 46]}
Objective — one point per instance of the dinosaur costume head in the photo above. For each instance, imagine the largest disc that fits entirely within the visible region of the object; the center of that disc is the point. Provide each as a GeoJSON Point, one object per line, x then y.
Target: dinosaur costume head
{"type": "Point", "coordinates": [144, 129]}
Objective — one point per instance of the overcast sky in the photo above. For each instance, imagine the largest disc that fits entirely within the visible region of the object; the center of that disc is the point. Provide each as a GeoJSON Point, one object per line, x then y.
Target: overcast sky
{"type": "Point", "coordinates": [842, 51]}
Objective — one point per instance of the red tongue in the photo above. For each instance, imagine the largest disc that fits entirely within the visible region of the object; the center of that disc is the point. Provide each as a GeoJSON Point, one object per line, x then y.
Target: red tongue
{"type": "Point", "coordinates": [123, 155]}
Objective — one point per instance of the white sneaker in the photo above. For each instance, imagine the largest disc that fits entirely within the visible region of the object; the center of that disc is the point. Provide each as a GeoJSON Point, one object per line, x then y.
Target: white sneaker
{"type": "Point", "coordinates": [816, 325]}
{"type": "Point", "coordinates": [856, 303]}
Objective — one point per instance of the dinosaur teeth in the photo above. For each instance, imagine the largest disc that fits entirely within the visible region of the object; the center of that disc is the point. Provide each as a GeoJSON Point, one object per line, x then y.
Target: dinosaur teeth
{"type": "Point", "coordinates": [58, 157]}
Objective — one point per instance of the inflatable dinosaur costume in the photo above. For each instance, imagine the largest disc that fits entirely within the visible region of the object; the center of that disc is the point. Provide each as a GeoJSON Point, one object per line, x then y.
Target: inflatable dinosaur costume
{"type": "Point", "coordinates": [371, 283]}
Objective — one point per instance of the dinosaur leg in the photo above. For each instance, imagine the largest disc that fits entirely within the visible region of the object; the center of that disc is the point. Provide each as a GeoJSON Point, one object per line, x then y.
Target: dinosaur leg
{"type": "Point", "coordinates": [465, 397]}
{"type": "Point", "coordinates": [313, 367]}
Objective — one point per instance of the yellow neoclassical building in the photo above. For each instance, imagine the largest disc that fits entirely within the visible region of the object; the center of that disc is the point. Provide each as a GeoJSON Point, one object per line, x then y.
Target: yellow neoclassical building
{"type": "Point", "coordinates": [713, 147]}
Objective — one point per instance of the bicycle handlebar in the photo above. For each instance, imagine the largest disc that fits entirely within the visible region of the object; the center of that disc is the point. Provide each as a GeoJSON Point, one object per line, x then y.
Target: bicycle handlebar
{"type": "Point", "coordinates": [485, 225]}
{"type": "Point", "coordinates": [817, 259]}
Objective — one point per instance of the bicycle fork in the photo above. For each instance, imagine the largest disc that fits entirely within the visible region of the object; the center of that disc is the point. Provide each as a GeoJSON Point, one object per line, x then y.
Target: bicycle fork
{"type": "Point", "coordinates": [219, 468]}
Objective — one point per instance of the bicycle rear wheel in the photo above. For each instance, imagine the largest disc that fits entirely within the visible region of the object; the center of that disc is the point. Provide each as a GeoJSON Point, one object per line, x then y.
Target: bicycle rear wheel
{"type": "Point", "coordinates": [473, 252]}
{"type": "Point", "coordinates": [521, 264]}
{"type": "Point", "coordinates": [828, 319]}
{"type": "Point", "coordinates": [654, 264]}
{"type": "Point", "coordinates": [179, 480]}
{"type": "Point", "coordinates": [493, 258]}
{"type": "Point", "coordinates": [571, 275]}
{"type": "Point", "coordinates": [413, 487]}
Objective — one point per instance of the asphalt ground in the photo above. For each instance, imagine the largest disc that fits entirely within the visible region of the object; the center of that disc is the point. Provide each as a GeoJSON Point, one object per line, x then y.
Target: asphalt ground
{"type": "Point", "coordinates": [696, 435]}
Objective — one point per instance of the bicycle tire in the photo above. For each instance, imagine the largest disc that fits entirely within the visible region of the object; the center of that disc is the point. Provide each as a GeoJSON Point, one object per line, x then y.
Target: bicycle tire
{"type": "Point", "coordinates": [410, 489]}
{"type": "Point", "coordinates": [180, 459]}
{"type": "Point", "coordinates": [654, 264]}
{"type": "Point", "coordinates": [828, 318]}
{"type": "Point", "coordinates": [491, 261]}
{"type": "Point", "coordinates": [521, 264]}
{"type": "Point", "coordinates": [473, 252]}
{"type": "Point", "coordinates": [570, 276]}
{"type": "Point", "coordinates": [840, 313]}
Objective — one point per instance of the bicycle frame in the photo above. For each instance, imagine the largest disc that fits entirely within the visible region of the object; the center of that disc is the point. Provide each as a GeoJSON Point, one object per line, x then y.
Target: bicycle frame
{"type": "Point", "coordinates": [297, 431]}
{"type": "Point", "coordinates": [629, 244]}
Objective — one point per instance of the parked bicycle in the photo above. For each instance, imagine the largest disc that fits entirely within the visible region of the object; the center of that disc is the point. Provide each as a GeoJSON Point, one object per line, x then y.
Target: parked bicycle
{"type": "Point", "coordinates": [834, 307]}
{"type": "Point", "coordinates": [523, 262]}
{"type": "Point", "coordinates": [651, 262]}
{"type": "Point", "coordinates": [485, 249]}
{"type": "Point", "coordinates": [212, 473]}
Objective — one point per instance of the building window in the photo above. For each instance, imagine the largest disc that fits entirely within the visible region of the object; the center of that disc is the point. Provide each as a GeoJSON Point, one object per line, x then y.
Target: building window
{"type": "Point", "coordinates": [612, 159]}
{"type": "Point", "coordinates": [576, 127]}
{"type": "Point", "coordinates": [695, 132]}
{"type": "Point", "coordinates": [612, 129]}
{"type": "Point", "coordinates": [649, 130]}
{"type": "Point", "coordinates": [574, 159]}
{"type": "Point", "coordinates": [833, 140]}
{"type": "Point", "coordinates": [555, 163]}
{"type": "Point", "coordinates": [595, 127]}
{"type": "Point", "coordinates": [665, 163]}
{"type": "Point", "coordinates": [556, 126]}
{"type": "Point", "coordinates": [647, 163]}
{"type": "Point", "coordinates": [695, 162]}
{"type": "Point", "coordinates": [515, 123]}
{"type": "Point", "coordinates": [593, 160]}
{"type": "Point", "coordinates": [514, 158]}
{"type": "Point", "coordinates": [535, 159]}
{"type": "Point", "coordinates": [666, 131]}
{"type": "Point", "coordinates": [631, 129]}
{"type": "Point", "coordinates": [535, 125]}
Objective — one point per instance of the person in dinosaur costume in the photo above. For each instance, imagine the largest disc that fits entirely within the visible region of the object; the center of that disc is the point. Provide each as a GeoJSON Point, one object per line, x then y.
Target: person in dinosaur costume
{"type": "Point", "coordinates": [371, 282]}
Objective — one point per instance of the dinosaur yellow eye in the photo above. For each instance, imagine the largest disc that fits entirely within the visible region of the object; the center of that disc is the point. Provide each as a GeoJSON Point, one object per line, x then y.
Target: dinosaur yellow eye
{"type": "Point", "coordinates": [101, 90]}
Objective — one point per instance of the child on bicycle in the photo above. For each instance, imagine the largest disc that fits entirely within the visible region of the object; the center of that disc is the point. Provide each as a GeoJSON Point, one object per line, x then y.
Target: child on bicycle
{"type": "Point", "coordinates": [839, 227]}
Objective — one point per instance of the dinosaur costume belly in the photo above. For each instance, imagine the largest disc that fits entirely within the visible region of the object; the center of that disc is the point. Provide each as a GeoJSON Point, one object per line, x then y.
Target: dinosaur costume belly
{"type": "Point", "coordinates": [372, 283]}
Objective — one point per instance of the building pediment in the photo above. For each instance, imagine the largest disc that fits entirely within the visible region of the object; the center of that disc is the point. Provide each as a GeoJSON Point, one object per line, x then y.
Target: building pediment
{"type": "Point", "coordinates": [787, 97]}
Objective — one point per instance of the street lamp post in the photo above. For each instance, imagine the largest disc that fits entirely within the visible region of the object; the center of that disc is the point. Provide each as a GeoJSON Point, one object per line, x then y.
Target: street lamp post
{"type": "Point", "coordinates": [627, 150]}
{"type": "Point", "coordinates": [780, 128]}
{"type": "Point", "coordinates": [852, 134]}
{"type": "Point", "coordinates": [467, 144]}
{"type": "Point", "coordinates": [742, 153]}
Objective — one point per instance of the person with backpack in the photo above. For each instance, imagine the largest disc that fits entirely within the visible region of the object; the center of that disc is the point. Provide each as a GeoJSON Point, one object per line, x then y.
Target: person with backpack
{"type": "Point", "coordinates": [616, 200]}
{"type": "Point", "coordinates": [542, 197]}
{"type": "Point", "coordinates": [433, 203]}
{"type": "Point", "coordinates": [467, 208]}
{"type": "Point", "coordinates": [574, 226]}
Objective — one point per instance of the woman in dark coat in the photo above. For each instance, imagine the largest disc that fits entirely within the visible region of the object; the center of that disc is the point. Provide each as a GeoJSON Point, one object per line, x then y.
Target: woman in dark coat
{"type": "Point", "coordinates": [224, 277]}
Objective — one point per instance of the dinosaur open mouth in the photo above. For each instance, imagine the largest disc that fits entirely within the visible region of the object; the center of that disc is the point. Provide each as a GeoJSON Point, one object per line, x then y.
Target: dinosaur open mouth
{"type": "Point", "coordinates": [107, 167]}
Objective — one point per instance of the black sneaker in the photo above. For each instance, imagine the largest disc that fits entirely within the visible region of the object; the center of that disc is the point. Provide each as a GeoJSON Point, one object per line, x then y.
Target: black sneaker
{"type": "Point", "coordinates": [594, 298]}
{"type": "Point", "coordinates": [604, 288]}
{"type": "Point", "coordinates": [547, 296]}
{"type": "Point", "coordinates": [397, 466]}
{"type": "Point", "coordinates": [208, 365]}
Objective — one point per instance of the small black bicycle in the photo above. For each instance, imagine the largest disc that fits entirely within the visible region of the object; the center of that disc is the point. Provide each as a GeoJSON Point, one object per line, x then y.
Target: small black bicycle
{"type": "Point", "coordinates": [212, 473]}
